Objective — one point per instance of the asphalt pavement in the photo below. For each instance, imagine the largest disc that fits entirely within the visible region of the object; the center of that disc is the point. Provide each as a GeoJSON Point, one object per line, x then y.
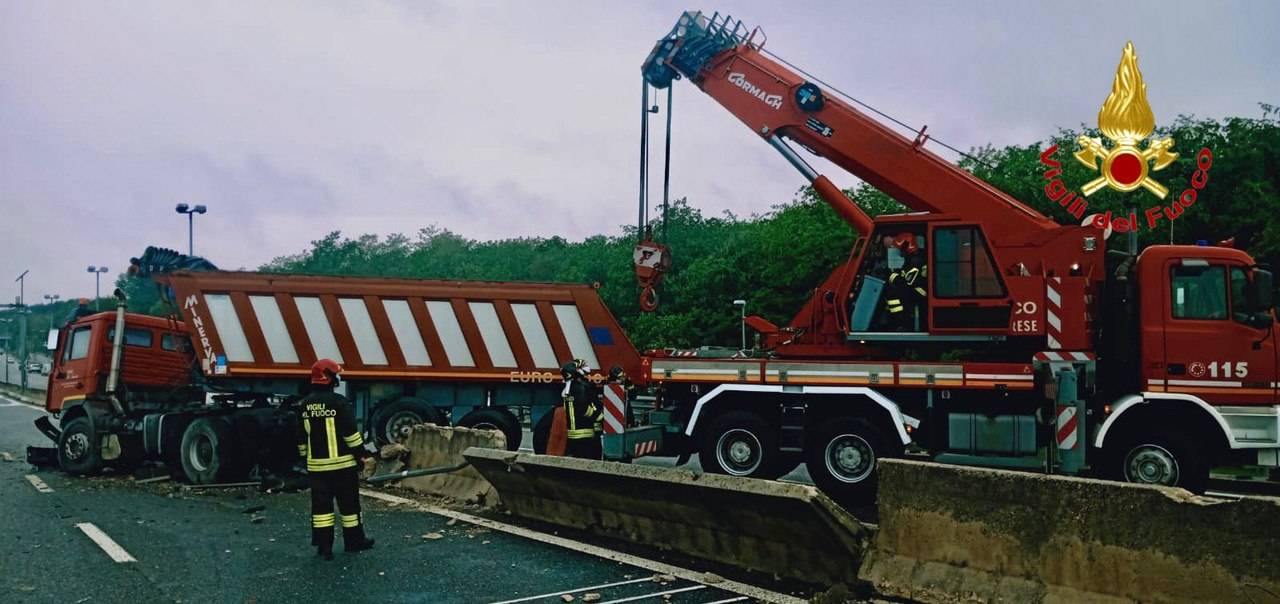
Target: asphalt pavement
{"type": "Point", "coordinates": [163, 542]}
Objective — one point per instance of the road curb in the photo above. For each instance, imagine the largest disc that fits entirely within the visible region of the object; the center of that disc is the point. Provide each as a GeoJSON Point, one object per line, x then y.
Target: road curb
{"type": "Point", "coordinates": [16, 395]}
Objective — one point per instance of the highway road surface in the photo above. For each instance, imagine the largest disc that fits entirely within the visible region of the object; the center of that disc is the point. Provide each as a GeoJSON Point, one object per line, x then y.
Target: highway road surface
{"type": "Point", "coordinates": [110, 539]}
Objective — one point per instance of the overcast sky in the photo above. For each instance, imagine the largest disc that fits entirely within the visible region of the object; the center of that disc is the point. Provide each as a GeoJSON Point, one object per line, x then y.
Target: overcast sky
{"type": "Point", "coordinates": [495, 120]}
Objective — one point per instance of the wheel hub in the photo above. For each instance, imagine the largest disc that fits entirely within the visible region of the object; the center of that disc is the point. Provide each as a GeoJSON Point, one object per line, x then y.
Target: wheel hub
{"type": "Point", "coordinates": [76, 446]}
{"type": "Point", "coordinates": [849, 458]}
{"type": "Point", "coordinates": [1151, 464]}
{"type": "Point", "coordinates": [401, 425]}
{"type": "Point", "coordinates": [739, 452]}
{"type": "Point", "coordinates": [201, 453]}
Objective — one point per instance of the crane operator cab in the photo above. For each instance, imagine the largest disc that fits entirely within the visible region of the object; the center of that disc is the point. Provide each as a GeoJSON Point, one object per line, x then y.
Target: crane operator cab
{"type": "Point", "coordinates": [891, 292]}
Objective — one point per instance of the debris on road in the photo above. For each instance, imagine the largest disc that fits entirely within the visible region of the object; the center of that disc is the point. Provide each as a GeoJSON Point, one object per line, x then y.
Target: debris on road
{"type": "Point", "coordinates": [5, 455]}
{"type": "Point", "coordinates": [253, 509]}
{"type": "Point", "coordinates": [433, 536]}
{"type": "Point", "coordinates": [591, 597]}
{"type": "Point", "coordinates": [393, 451]}
{"type": "Point", "coordinates": [566, 598]}
{"type": "Point", "coordinates": [451, 522]}
{"type": "Point", "coordinates": [257, 519]}
{"type": "Point", "coordinates": [163, 478]}
{"type": "Point", "coordinates": [222, 485]}
{"type": "Point", "coordinates": [712, 578]}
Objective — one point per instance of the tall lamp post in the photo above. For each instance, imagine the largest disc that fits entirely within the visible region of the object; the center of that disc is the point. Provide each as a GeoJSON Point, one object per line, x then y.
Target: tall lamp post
{"type": "Point", "coordinates": [8, 358]}
{"type": "Point", "coordinates": [742, 316]}
{"type": "Point", "coordinates": [97, 282]}
{"type": "Point", "coordinates": [22, 328]}
{"type": "Point", "coordinates": [50, 299]}
{"type": "Point", "coordinates": [190, 211]}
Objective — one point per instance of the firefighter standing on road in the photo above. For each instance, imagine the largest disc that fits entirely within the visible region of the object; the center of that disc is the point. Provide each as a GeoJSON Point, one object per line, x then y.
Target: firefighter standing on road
{"type": "Point", "coordinates": [334, 448]}
{"type": "Point", "coordinates": [580, 411]}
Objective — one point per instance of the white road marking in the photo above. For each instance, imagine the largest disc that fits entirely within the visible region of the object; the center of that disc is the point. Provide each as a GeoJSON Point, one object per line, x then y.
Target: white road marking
{"type": "Point", "coordinates": [729, 601]}
{"type": "Point", "coordinates": [107, 544]}
{"type": "Point", "coordinates": [574, 591]}
{"type": "Point", "coordinates": [38, 484]}
{"type": "Point", "coordinates": [9, 402]}
{"type": "Point", "coordinates": [656, 594]}
{"type": "Point", "coordinates": [758, 593]}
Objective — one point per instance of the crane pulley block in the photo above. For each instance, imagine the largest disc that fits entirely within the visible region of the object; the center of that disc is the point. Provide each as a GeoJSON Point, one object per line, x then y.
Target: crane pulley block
{"type": "Point", "coordinates": [652, 259]}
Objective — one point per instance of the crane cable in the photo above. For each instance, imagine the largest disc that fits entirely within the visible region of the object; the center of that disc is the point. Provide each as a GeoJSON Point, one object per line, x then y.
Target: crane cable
{"type": "Point", "coordinates": [878, 112]}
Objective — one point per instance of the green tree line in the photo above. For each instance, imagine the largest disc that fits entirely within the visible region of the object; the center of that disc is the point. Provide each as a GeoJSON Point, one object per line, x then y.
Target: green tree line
{"type": "Point", "coordinates": [774, 260]}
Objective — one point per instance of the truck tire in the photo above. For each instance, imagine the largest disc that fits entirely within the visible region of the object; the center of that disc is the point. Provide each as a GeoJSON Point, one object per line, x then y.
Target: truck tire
{"type": "Point", "coordinates": [842, 455]}
{"type": "Point", "coordinates": [396, 421]}
{"type": "Point", "coordinates": [1170, 458]}
{"type": "Point", "coordinates": [542, 432]}
{"type": "Point", "coordinates": [496, 418]}
{"type": "Point", "coordinates": [208, 451]}
{"type": "Point", "coordinates": [740, 443]}
{"type": "Point", "coordinates": [78, 452]}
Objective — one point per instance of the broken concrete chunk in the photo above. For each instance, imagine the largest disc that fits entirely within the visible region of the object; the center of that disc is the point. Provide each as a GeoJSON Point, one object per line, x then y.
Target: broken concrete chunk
{"type": "Point", "coordinates": [433, 536]}
{"type": "Point", "coordinates": [712, 578]}
{"type": "Point", "coordinates": [566, 598]}
{"type": "Point", "coordinates": [591, 597]}
{"type": "Point", "coordinates": [5, 455]}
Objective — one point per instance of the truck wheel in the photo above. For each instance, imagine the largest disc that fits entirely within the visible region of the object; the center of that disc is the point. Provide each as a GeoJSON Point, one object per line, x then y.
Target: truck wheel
{"type": "Point", "coordinates": [78, 453]}
{"type": "Point", "coordinates": [494, 418]}
{"type": "Point", "coordinates": [397, 420]}
{"type": "Point", "coordinates": [740, 443]}
{"type": "Point", "coordinates": [208, 451]}
{"type": "Point", "coordinates": [842, 459]}
{"type": "Point", "coordinates": [1170, 459]}
{"type": "Point", "coordinates": [542, 432]}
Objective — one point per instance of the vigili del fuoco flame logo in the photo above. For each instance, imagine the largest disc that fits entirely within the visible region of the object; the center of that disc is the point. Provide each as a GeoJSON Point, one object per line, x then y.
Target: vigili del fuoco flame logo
{"type": "Point", "coordinates": [1126, 164]}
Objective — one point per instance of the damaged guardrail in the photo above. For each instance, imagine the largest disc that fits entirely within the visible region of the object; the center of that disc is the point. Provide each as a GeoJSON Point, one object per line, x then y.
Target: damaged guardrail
{"type": "Point", "coordinates": [788, 530]}
{"type": "Point", "coordinates": [430, 461]}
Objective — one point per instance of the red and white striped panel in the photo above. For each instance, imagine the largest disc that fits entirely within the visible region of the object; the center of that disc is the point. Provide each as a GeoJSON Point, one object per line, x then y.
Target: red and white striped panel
{"type": "Point", "coordinates": [1053, 311]}
{"type": "Point", "coordinates": [1068, 427]}
{"type": "Point", "coordinates": [648, 447]}
{"type": "Point", "coordinates": [1058, 355]}
{"type": "Point", "coordinates": [615, 409]}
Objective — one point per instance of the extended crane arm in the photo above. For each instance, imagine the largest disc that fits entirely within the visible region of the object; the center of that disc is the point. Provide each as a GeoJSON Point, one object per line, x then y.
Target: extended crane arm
{"type": "Point", "coordinates": [727, 63]}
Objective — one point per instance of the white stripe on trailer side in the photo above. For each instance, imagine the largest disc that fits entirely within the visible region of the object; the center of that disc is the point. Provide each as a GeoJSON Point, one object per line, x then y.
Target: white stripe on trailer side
{"type": "Point", "coordinates": [535, 335]}
{"type": "Point", "coordinates": [407, 334]}
{"type": "Point", "coordinates": [455, 344]}
{"type": "Point", "coordinates": [107, 544]}
{"type": "Point", "coordinates": [227, 322]}
{"type": "Point", "coordinates": [361, 324]}
{"type": "Point", "coordinates": [495, 339]}
{"type": "Point", "coordinates": [318, 329]}
{"type": "Point", "coordinates": [575, 333]}
{"type": "Point", "coordinates": [1209, 383]}
{"type": "Point", "coordinates": [274, 329]}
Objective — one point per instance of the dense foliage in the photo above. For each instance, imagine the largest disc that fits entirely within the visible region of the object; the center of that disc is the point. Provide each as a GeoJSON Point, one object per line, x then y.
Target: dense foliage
{"type": "Point", "coordinates": [774, 259]}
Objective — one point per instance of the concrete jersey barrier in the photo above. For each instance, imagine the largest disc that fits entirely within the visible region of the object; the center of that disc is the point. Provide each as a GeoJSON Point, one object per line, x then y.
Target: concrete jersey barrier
{"type": "Point", "coordinates": [431, 446]}
{"type": "Point", "coordinates": [950, 534]}
{"type": "Point", "coordinates": [789, 530]}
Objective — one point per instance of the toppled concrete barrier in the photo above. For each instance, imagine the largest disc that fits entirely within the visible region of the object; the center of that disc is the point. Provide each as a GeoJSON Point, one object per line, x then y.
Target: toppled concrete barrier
{"type": "Point", "coordinates": [789, 530]}
{"type": "Point", "coordinates": [433, 446]}
{"type": "Point", "coordinates": [952, 534]}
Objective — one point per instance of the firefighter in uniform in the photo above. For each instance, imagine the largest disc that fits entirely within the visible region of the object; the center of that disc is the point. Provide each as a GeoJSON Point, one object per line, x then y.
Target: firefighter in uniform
{"type": "Point", "coordinates": [334, 449]}
{"type": "Point", "coordinates": [906, 288]}
{"type": "Point", "coordinates": [580, 412]}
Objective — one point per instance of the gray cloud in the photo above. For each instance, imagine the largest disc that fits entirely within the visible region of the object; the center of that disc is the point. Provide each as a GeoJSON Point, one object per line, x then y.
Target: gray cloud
{"type": "Point", "coordinates": [507, 119]}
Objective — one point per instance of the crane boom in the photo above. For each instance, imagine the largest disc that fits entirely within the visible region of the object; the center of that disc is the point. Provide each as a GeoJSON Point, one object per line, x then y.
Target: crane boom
{"type": "Point", "coordinates": [726, 62]}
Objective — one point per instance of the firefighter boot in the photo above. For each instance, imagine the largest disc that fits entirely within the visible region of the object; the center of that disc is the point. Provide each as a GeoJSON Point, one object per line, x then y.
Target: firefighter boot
{"type": "Point", "coordinates": [353, 537]}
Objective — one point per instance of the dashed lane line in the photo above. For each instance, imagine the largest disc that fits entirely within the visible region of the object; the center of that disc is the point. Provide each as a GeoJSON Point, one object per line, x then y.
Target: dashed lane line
{"type": "Point", "coordinates": [107, 544]}
{"type": "Point", "coordinates": [758, 593]}
{"type": "Point", "coordinates": [39, 484]}
{"type": "Point", "coordinates": [730, 600]}
{"type": "Point", "coordinates": [574, 591]}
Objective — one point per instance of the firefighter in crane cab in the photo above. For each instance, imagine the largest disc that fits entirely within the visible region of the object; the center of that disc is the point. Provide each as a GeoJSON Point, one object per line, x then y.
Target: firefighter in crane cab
{"type": "Point", "coordinates": [334, 450]}
{"type": "Point", "coordinates": [581, 411]}
{"type": "Point", "coordinates": [907, 287]}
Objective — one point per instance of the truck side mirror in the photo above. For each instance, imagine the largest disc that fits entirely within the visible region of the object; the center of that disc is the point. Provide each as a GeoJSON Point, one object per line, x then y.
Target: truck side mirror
{"type": "Point", "coordinates": [1263, 290]}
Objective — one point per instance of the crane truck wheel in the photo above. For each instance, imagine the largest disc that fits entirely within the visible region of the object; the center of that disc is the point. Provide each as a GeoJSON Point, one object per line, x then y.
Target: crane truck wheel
{"type": "Point", "coordinates": [208, 451]}
{"type": "Point", "coordinates": [842, 457]}
{"type": "Point", "coordinates": [494, 418]}
{"type": "Point", "coordinates": [396, 421]}
{"type": "Point", "coordinates": [1170, 459]}
{"type": "Point", "coordinates": [78, 451]}
{"type": "Point", "coordinates": [740, 443]}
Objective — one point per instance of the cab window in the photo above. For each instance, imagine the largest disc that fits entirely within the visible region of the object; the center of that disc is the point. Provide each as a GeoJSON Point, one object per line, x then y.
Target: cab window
{"type": "Point", "coordinates": [175, 342]}
{"type": "Point", "coordinates": [133, 336]}
{"type": "Point", "coordinates": [78, 344]}
{"type": "Point", "coordinates": [962, 265]}
{"type": "Point", "coordinates": [1199, 292]}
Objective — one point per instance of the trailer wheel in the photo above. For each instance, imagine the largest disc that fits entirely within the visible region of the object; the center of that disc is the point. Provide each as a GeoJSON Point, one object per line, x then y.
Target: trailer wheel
{"type": "Point", "coordinates": [396, 421]}
{"type": "Point", "coordinates": [208, 451]}
{"type": "Point", "coordinates": [78, 452]}
{"type": "Point", "coordinates": [842, 459]}
{"type": "Point", "coordinates": [740, 443]}
{"type": "Point", "coordinates": [496, 418]}
{"type": "Point", "coordinates": [1170, 459]}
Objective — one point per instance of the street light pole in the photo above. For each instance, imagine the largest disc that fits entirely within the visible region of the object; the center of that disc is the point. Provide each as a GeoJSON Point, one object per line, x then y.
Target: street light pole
{"type": "Point", "coordinates": [190, 211]}
{"type": "Point", "coordinates": [742, 308]}
{"type": "Point", "coordinates": [22, 327]}
{"type": "Point", "coordinates": [50, 299]}
{"type": "Point", "coordinates": [97, 282]}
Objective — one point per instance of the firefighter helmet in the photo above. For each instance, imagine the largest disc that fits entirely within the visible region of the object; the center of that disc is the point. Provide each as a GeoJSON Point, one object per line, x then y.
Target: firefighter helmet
{"type": "Point", "coordinates": [906, 242]}
{"type": "Point", "coordinates": [325, 372]}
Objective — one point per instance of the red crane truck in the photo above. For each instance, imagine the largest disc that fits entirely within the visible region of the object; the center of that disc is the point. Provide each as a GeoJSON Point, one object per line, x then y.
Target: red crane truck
{"type": "Point", "coordinates": [210, 388]}
{"type": "Point", "coordinates": [1034, 347]}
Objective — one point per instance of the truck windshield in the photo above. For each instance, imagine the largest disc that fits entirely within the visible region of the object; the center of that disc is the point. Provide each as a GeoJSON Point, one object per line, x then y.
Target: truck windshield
{"type": "Point", "coordinates": [78, 344]}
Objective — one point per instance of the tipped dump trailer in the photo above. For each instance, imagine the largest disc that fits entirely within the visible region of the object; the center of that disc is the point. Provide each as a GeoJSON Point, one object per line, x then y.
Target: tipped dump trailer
{"type": "Point", "coordinates": [211, 387]}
